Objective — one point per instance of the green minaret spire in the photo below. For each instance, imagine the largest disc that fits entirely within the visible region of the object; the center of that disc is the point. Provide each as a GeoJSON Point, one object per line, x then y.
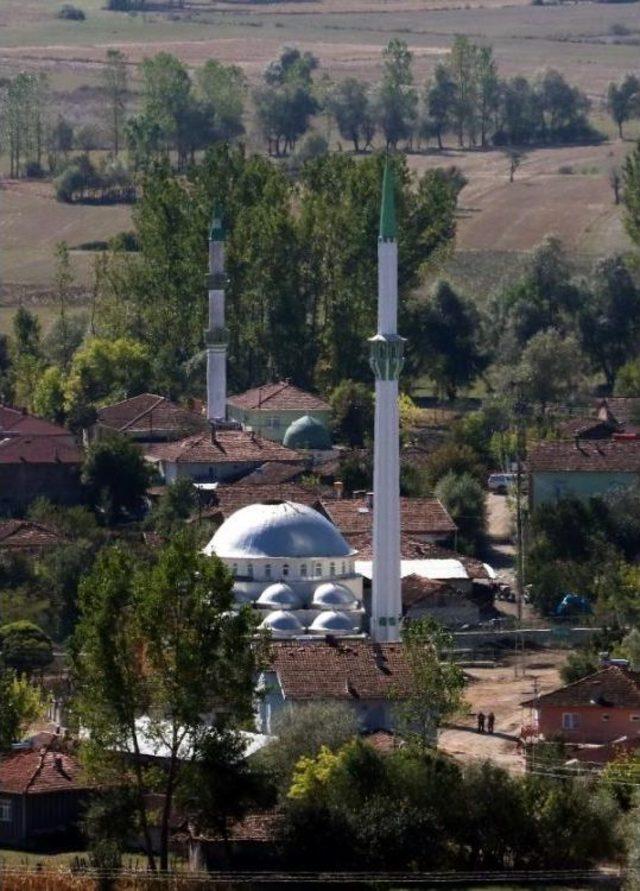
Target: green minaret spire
{"type": "Point", "coordinates": [388, 206]}
{"type": "Point", "coordinates": [217, 231]}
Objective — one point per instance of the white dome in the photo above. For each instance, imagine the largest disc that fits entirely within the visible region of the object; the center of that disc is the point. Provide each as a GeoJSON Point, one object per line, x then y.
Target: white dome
{"type": "Point", "coordinates": [331, 595]}
{"type": "Point", "coordinates": [282, 623]}
{"type": "Point", "coordinates": [279, 596]}
{"type": "Point", "coordinates": [278, 529]}
{"type": "Point", "coordinates": [331, 622]}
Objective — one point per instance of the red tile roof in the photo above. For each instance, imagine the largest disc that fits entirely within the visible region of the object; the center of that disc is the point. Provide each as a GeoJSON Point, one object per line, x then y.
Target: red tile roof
{"type": "Point", "coordinates": [40, 450]}
{"type": "Point", "coordinates": [611, 687]}
{"type": "Point", "coordinates": [419, 516]}
{"type": "Point", "coordinates": [151, 415]}
{"type": "Point", "coordinates": [351, 670]}
{"type": "Point", "coordinates": [281, 396]}
{"type": "Point", "coordinates": [34, 772]}
{"type": "Point", "coordinates": [232, 498]}
{"type": "Point", "coordinates": [595, 456]}
{"type": "Point", "coordinates": [229, 446]}
{"type": "Point", "coordinates": [624, 409]}
{"type": "Point", "coordinates": [272, 473]}
{"type": "Point", "coordinates": [16, 422]}
{"type": "Point", "coordinates": [588, 428]}
{"type": "Point", "coordinates": [416, 589]}
{"type": "Point", "coordinates": [25, 535]}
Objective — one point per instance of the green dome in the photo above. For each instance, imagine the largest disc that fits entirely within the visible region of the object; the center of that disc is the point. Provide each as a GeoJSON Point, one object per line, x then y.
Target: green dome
{"type": "Point", "coordinates": [307, 433]}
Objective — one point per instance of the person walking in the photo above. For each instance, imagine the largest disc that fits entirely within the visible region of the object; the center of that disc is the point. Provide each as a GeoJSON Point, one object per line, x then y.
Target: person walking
{"type": "Point", "coordinates": [491, 722]}
{"type": "Point", "coordinates": [480, 722]}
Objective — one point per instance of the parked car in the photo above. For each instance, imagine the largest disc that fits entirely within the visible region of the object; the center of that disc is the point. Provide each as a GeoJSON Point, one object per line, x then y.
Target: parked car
{"type": "Point", "coordinates": [500, 483]}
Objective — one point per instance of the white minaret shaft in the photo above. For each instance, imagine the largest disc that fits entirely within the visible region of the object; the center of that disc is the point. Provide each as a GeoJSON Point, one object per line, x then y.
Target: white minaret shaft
{"type": "Point", "coordinates": [216, 334]}
{"type": "Point", "coordinates": [386, 360]}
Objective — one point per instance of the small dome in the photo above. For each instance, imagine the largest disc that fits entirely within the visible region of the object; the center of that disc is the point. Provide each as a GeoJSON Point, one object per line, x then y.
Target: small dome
{"type": "Point", "coordinates": [282, 624]}
{"type": "Point", "coordinates": [279, 596]}
{"type": "Point", "coordinates": [332, 622]}
{"type": "Point", "coordinates": [331, 595]}
{"type": "Point", "coordinates": [307, 433]}
{"type": "Point", "coordinates": [278, 529]}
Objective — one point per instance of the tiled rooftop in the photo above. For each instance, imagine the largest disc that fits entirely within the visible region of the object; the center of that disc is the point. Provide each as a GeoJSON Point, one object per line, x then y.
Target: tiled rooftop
{"type": "Point", "coordinates": [281, 396]}
{"type": "Point", "coordinates": [612, 687]}
{"type": "Point", "coordinates": [149, 414]}
{"type": "Point", "coordinates": [228, 446]}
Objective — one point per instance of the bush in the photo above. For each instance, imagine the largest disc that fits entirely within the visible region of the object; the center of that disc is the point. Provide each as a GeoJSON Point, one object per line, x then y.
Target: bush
{"type": "Point", "coordinates": [463, 496]}
{"type": "Point", "coordinates": [33, 170]}
{"type": "Point", "coordinates": [25, 647]}
{"type": "Point", "coordinates": [71, 13]}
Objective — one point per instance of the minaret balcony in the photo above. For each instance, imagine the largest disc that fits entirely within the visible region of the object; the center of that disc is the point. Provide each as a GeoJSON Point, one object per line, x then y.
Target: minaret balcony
{"type": "Point", "coordinates": [216, 337]}
{"type": "Point", "coordinates": [387, 356]}
{"type": "Point", "coordinates": [215, 281]}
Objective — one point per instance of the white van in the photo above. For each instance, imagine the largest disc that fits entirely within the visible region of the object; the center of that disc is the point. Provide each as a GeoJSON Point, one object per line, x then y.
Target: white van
{"type": "Point", "coordinates": [501, 482]}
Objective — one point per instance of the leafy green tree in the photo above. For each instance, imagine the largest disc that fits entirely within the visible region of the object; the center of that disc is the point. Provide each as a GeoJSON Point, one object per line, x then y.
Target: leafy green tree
{"type": "Point", "coordinates": [457, 458]}
{"type": "Point", "coordinates": [628, 379]}
{"type": "Point", "coordinates": [351, 106]}
{"type": "Point", "coordinates": [610, 319]}
{"type": "Point", "coordinates": [26, 333]}
{"type": "Point", "coordinates": [436, 683]}
{"type": "Point", "coordinates": [115, 476]}
{"type": "Point", "coordinates": [48, 396]}
{"type": "Point", "coordinates": [579, 664]}
{"type": "Point", "coordinates": [222, 88]}
{"type": "Point", "coordinates": [462, 66]}
{"type": "Point", "coordinates": [623, 100]}
{"type": "Point", "coordinates": [352, 409]}
{"type": "Point", "coordinates": [304, 730]}
{"type": "Point", "coordinates": [396, 100]}
{"type": "Point", "coordinates": [20, 705]}
{"type": "Point", "coordinates": [159, 641]}
{"type": "Point", "coordinates": [107, 370]}
{"type": "Point", "coordinates": [25, 647]}
{"type": "Point", "coordinates": [445, 342]}
{"type": "Point", "coordinates": [440, 99]}
{"type": "Point", "coordinates": [166, 94]}
{"type": "Point", "coordinates": [174, 507]}
{"type": "Point", "coordinates": [631, 178]}
{"type": "Point", "coordinates": [464, 498]}
{"type": "Point", "coordinates": [550, 369]}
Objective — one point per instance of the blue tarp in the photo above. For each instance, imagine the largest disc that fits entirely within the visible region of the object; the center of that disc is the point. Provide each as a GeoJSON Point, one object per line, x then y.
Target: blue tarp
{"type": "Point", "coordinates": [572, 603]}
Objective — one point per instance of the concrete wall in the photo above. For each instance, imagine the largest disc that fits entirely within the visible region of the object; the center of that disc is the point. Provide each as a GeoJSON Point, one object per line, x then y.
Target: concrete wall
{"type": "Point", "coordinates": [273, 424]}
{"type": "Point", "coordinates": [205, 473]}
{"type": "Point", "coordinates": [552, 486]}
{"type": "Point", "coordinates": [20, 484]}
{"type": "Point", "coordinates": [450, 616]}
{"type": "Point", "coordinates": [595, 723]}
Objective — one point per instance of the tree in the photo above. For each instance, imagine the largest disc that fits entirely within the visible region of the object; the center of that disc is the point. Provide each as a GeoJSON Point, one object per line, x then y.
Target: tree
{"type": "Point", "coordinates": [25, 647]}
{"type": "Point", "coordinates": [628, 379]}
{"type": "Point", "coordinates": [20, 705]}
{"type": "Point", "coordinates": [107, 370]}
{"type": "Point", "coordinates": [615, 181]}
{"type": "Point", "coordinates": [610, 320]}
{"type": "Point", "coordinates": [457, 458]}
{"type": "Point", "coordinates": [623, 101]}
{"type": "Point", "coordinates": [286, 102]}
{"type": "Point", "coordinates": [551, 368]}
{"type": "Point", "coordinates": [445, 342]}
{"type": "Point", "coordinates": [463, 497]}
{"type": "Point", "coordinates": [303, 730]}
{"type": "Point", "coordinates": [115, 79]}
{"type": "Point", "coordinates": [631, 195]}
{"type": "Point", "coordinates": [436, 683]}
{"type": "Point", "coordinates": [174, 507]}
{"type": "Point", "coordinates": [115, 476]}
{"type": "Point", "coordinates": [515, 160]}
{"type": "Point", "coordinates": [463, 66]}
{"type": "Point", "coordinates": [396, 100]}
{"type": "Point", "coordinates": [157, 647]}
{"type": "Point", "coordinates": [487, 90]}
{"type": "Point", "coordinates": [440, 98]}
{"type": "Point", "coordinates": [26, 333]}
{"type": "Point", "coordinates": [352, 410]}
{"type": "Point", "coordinates": [222, 88]}
{"type": "Point", "coordinates": [351, 107]}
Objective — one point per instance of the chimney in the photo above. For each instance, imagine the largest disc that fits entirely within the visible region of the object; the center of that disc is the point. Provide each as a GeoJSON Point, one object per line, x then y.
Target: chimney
{"type": "Point", "coordinates": [338, 490]}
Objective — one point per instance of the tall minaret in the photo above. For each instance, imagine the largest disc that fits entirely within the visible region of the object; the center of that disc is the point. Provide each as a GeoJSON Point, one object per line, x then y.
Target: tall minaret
{"type": "Point", "coordinates": [387, 349]}
{"type": "Point", "coordinates": [216, 333]}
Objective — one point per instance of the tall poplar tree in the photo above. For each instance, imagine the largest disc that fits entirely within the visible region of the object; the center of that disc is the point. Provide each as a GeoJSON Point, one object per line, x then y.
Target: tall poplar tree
{"type": "Point", "coordinates": [115, 79]}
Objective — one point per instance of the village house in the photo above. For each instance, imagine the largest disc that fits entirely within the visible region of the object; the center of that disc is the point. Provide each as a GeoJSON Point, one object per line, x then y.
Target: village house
{"type": "Point", "coordinates": [424, 519]}
{"type": "Point", "coordinates": [271, 409]}
{"type": "Point", "coordinates": [148, 418]}
{"type": "Point", "coordinates": [438, 600]}
{"type": "Point", "coordinates": [216, 456]}
{"type": "Point", "coordinates": [598, 709]}
{"type": "Point", "coordinates": [42, 795]}
{"type": "Point", "coordinates": [39, 467]}
{"type": "Point", "coordinates": [367, 676]}
{"type": "Point", "coordinates": [27, 537]}
{"type": "Point", "coordinates": [582, 468]}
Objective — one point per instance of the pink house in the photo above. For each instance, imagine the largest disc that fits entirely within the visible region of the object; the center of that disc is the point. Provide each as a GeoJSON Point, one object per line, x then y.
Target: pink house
{"type": "Point", "coordinates": [599, 708]}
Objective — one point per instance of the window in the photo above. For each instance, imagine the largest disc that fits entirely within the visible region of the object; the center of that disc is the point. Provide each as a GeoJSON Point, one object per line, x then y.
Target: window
{"type": "Point", "coordinates": [303, 570]}
{"type": "Point", "coordinates": [606, 717]}
{"type": "Point", "coordinates": [344, 571]}
{"type": "Point", "coordinates": [318, 569]}
{"type": "Point", "coordinates": [234, 569]}
{"type": "Point", "coordinates": [285, 570]}
{"type": "Point", "coordinates": [570, 721]}
{"type": "Point", "coordinates": [5, 810]}
{"type": "Point", "coordinates": [267, 570]}
{"type": "Point", "coordinates": [250, 570]}
{"type": "Point", "coordinates": [332, 569]}
{"type": "Point", "coordinates": [634, 717]}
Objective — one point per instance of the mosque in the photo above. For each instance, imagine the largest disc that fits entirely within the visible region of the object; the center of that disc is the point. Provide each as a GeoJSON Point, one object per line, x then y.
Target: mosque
{"type": "Point", "coordinates": [290, 562]}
